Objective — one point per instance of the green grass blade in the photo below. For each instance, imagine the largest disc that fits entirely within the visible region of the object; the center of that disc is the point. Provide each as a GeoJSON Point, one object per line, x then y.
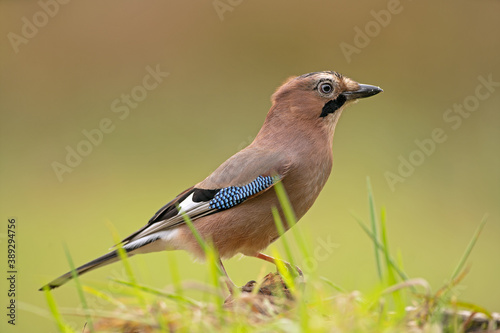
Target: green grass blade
{"type": "Point", "coordinates": [103, 296]}
{"type": "Point", "coordinates": [281, 231]}
{"type": "Point", "coordinates": [473, 308]}
{"type": "Point", "coordinates": [333, 285]}
{"type": "Point", "coordinates": [173, 267]}
{"type": "Point", "coordinates": [391, 279]}
{"type": "Point", "coordinates": [380, 246]}
{"type": "Point", "coordinates": [290, 218]}
{"type": "Point", "coordinates": [195, 232]}
{"type": "Point", "coordinates": [391, 276]}
{"type": "Point", "coordinates": [214, 269]}
{"type": "Point", "coordinates": [287, 276]}
{"type": "Point", "coordinates": [285, 203]}
{"type": "Point", "coordinates": [55, 312]}
{"type": "Point", "coordinates": [469, 248]}
{"type": "Point", "coordinates": [161, 293]}
{"type": "Point", "coordinates": [373, 219]}
{"type": "Point", "coordinates": [122, 254]}
{"type": "Point", "coordinates": [79, 288]}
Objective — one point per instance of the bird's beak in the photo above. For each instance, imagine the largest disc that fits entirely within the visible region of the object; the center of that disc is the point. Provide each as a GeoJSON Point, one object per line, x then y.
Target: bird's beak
{"type": "Point", "coordinates": [364, 90]}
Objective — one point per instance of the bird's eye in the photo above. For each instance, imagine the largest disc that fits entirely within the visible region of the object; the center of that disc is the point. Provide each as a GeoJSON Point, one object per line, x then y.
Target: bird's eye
{"type": "Point", "coordinates": [325, 88]}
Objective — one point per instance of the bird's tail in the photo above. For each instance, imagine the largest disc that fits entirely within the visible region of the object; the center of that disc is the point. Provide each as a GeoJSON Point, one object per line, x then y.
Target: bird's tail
{"type": "Point", "coordinates": [104, 260]}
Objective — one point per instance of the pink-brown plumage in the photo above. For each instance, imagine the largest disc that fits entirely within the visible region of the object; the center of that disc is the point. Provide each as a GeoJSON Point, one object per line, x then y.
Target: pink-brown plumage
{"type": "Point", "coordinates": [294, 143]}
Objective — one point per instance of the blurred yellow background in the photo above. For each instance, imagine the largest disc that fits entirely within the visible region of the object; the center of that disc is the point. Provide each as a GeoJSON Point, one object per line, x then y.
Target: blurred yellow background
{"type": "Point", "coordinates": [65, 67]}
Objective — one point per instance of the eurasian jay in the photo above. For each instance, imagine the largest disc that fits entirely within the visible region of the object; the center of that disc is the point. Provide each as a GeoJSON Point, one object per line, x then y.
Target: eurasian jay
{"type": "Point", "coordinates": [232, 206]}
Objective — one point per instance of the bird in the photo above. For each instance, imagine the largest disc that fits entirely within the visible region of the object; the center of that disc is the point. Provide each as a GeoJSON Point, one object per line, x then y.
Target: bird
{"type": "Point", "coordinates": [232, 207]}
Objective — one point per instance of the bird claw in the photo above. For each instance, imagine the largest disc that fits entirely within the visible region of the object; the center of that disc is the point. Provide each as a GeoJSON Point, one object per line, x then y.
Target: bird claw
{"type": "Point", "coordinates": [294, 271]}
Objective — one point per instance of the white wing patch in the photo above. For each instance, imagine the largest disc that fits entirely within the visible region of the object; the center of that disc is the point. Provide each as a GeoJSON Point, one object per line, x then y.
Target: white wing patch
{"type": "Point", "coordinates": [188, 204]}
{"type": "Point", "coordinates": [192, 209]}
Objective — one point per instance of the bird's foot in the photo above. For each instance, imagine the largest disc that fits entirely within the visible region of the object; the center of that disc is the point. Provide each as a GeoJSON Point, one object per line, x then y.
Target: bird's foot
{"type": "Point", "coordinates": [295, 271]}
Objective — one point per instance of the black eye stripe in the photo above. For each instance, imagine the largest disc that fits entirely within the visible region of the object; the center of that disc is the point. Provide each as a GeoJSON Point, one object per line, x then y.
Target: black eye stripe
{"type": "Point", "coordinates": [333, 105]}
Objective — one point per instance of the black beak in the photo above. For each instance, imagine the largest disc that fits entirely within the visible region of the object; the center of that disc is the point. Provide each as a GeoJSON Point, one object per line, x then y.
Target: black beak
{"type": "Point", "coordinates": [365, 90]}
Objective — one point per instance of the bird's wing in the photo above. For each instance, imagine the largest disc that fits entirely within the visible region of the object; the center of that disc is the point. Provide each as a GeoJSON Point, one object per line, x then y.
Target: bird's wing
{"type": "Point", "coordinates": [247, 174]}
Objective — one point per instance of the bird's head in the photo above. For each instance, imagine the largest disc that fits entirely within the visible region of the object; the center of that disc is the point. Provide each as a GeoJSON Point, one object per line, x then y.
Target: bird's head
{"type": "Point", "coordinates": [318, 97]}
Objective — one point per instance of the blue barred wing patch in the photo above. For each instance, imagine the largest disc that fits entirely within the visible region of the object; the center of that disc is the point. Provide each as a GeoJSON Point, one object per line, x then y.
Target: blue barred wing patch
{"type": "Point", "coordinates": [231, 196]}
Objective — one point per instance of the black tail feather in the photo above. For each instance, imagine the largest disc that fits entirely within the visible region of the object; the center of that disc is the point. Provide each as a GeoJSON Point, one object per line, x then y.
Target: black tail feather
{"type": "Point", "coordinates": [106, 259]}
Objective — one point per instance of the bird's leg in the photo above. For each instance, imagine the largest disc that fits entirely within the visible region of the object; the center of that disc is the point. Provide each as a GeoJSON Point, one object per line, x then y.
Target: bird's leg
{"type": "Point", "coordinates": [229, 283]}
{"type": "Point", "coordinates": [274, 260]}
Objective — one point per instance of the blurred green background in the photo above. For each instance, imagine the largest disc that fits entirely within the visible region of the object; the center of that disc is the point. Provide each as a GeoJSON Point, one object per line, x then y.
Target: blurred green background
{"type": "Point", "coordinates": [224, 61]}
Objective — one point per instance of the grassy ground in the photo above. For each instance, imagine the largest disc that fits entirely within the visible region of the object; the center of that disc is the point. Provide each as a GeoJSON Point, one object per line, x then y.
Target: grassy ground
{"type": "Point", "coordinates": [286, 302]}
